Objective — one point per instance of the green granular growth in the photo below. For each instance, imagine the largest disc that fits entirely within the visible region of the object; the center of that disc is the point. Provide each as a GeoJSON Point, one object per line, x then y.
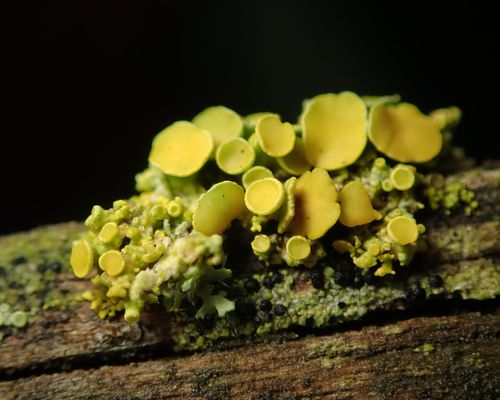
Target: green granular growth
{"type": "Point", "coordinates": [32, 265]}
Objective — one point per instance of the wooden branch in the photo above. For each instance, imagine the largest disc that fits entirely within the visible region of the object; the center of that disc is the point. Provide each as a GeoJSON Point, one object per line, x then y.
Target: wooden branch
{"type": "Point", "coordinates": [454, 357]}
{"type": "Point", "coordinates": [425, 357]}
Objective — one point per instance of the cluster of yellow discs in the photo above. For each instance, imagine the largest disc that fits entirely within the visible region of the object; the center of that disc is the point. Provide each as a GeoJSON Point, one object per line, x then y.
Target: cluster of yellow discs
{"type": "Point", "coordinates": [332, 132]}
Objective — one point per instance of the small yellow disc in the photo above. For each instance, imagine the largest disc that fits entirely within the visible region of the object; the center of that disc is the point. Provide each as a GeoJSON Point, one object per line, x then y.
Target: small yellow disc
{"type": "Point", "coordinates": [298, 247]}
{"type": "Point", "coordinates": [112, 262]}
{"type": "Point", "coordinates": [403, 230]}
{"type": "Point", "coordinates": [108, 232]}
{"type": "Point", "coordinates": [261, 244]}
{"type": "Point", "coordinates": [82, 258]}
{"type": "Point", "coordinates": [402, 177]}
{"type": "Point", "coordinates": [265, 196]}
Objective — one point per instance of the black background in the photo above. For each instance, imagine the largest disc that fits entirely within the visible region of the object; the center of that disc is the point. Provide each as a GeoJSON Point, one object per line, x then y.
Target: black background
{"type": "Point", "coordinates": [91, 83]}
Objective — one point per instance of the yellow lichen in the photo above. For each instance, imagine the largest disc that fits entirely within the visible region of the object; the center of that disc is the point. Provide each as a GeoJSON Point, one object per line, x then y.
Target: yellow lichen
{"type": "Point", "coordinates": [403, 133]}
{"type": "Point", "coordinates": [109, 233]}
{"type": "Point", "coordinates": [216, 208]}
{"type": "Point", "coordinates": [402, 177]}
{"type": "Point", "coordinates": [175, 208]}
{"type": "Point", "coordinates": [403, 230]}
{"type": "Point", "coordinates": [316, 207]}
{"type": "Point", "coordinates": [235, 156]}
{"type": "Point", "coordinates": [355, 205]}
{"type": "Point", "coordinates": [251, 120]}
{"type": "Point", "coordinates": [295, 162]}
{"type": "Point", "coordinates": [181, 149]}
{"type": "Point", "coordinates": [446, 118]}
{"type": "Point", "coordinates": [261, 244]}
{"type": "Point", "coordinates": [298, 247]}
{"type": "Point", "coordinates": [265, 196]}
{"type": "Point", "coordinates": [276, 138]}
{"type": "Point", "coordinates": [342, 246]}
{"type": "Point", "coordinates": [334, 130]}
{"type": "Point", "coordinates": [254, 174]}
{"type": "Point", "coordinates": [112, 262]}
{"type": "Point", "coordinates": [82, 258]}
{"type": "Point", "coordinates": [221, 122]}
{"type": "Point", "coordinates": [287, 211]}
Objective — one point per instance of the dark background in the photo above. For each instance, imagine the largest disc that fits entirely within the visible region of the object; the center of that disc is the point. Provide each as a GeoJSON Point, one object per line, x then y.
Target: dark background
{"type": "Point", "coordinates": [92, 83]}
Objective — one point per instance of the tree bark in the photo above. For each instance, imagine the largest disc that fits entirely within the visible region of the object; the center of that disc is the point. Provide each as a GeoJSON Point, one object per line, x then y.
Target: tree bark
{"type": "Point", "coordinates": [455, 357]}
{"type": "Point", "coordinates": [449, 353]}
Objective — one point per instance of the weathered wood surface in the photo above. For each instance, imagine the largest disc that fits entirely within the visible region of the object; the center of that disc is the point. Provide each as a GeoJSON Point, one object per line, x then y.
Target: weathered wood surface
{"type": "Point", "coordinates": [454, 357]}
{"type": "Point", "coordinates": [73, 354]}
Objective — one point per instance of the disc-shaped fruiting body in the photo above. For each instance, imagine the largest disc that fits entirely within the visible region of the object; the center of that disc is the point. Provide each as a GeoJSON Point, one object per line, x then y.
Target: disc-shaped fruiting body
{"type": "Point", "coordinates": [403, 230]}
{"type": "Point", "coordinates": [265, 196]}
{"type": "Point", "coordinates": [355, 205]}
{"type": "Point", "coordinates": [109, 232]}
{"type": "Point", "coordinates": [276, 138]}
{"type": "Point", "coordinates": [216, 208]}
{"type": "Point", "coordinates": [112, 262]}
{"type": "Point", "coordinates": [334, 129]}
{"type": "Point", "coordinates": [82, 258]}
{"type": "Point", "coordinates": [298, 247]}
{"type": "Point", "coordinates": [402, 177]}
{"type": "Point", "coordinates": [403, 133]}
{"type": "Point", "coordinates": [254, 174]}
{"type": "Point", "coordinates": [316, 206]}
{"type": "Point", "coordinates": [221, 122]}
{"type": "Point", "coordinates": [235, 156]}
{"type": "Point", "coordinates": [295, 162]}
{"type": "Point", "coordinates": [181, 149]}
{"type": "Point", "coordinates": [261, 244]}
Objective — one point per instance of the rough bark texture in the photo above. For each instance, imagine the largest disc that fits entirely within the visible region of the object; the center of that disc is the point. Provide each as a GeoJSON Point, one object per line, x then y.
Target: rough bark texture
{"type": "Point", "coordinates": [454, 357]}
{"type": "Point", "coordinates": [426, 354]}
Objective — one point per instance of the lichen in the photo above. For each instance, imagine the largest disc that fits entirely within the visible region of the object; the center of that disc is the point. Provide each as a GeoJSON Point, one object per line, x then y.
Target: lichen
{"type": "Point", "coordinates": [31, 264]}
{"type": "Point", "coordinates": [280, 184]}
{"type": "Point", "coordinates": [449, 196]}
